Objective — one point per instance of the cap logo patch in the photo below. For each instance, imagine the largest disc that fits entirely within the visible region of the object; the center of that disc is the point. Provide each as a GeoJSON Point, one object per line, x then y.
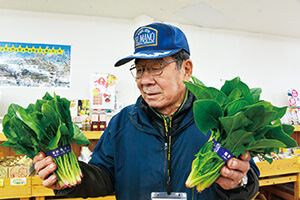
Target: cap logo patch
{"type": "Point", "coordinates": [145, 36]}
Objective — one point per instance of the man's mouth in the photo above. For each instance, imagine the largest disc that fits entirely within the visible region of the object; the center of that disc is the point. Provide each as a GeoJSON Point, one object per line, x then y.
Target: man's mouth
{"type": "Point", "coordinates": [151, 94]}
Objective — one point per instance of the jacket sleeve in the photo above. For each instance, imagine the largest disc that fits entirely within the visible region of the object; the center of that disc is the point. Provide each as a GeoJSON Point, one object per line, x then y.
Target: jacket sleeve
{"type": "Point", "coordinates": [247, 192]}
{"type": "Point", "coordinates": [95, 182]}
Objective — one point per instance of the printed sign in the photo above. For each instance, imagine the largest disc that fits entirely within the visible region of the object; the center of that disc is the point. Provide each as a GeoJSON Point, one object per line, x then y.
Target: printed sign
{"type": "Point", "coordinates": [294, 98]}
{"type": "Point", "coordinates": [18, 181]}
{"type": "Point", "coordinates": [102, 91]}
{"type": "Point", "coordinates": [34, 65]}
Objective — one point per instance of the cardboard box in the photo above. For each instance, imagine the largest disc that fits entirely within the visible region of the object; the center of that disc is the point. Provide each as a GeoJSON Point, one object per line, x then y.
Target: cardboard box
{"type": "Point", "coordinates": [16, 167]}
{"type": "Point", "coordinates": [3, 172]}
{"type": "Point", "coordinates": [22, 169]}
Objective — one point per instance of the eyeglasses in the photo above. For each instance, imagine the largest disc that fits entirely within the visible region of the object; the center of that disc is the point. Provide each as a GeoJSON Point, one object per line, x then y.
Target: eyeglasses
{"type": "Point", "coordinates": [154, 68]}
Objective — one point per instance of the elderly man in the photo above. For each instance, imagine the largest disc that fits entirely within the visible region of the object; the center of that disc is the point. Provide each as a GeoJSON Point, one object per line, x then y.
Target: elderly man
{"type": "Point", "coordinates": [148, 147]}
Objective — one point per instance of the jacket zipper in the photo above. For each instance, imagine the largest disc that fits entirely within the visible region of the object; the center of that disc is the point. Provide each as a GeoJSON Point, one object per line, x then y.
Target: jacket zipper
{"type": "Point", "coordinates": [168, 152]}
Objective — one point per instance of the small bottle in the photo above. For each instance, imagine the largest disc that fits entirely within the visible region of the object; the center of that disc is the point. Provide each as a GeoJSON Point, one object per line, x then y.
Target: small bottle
{"type": "Point", "coordinates": [84, 125]}
{"type": "Point", "coordinates": [95, 124]}
{"type": "Point", "coordinates": [88, 125]}
{"type": "Point", "coordinates": [102, 120]}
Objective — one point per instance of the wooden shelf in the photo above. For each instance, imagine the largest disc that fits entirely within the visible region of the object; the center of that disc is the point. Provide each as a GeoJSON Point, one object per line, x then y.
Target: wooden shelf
{"type": "Point", "coordinates": [2, 137]}
{"type": "Point", "coordinates": [91, 135]}
{"type": "Point", "coordinates": [34, 188]}
{"type": "Point", "coordinates": [297, 127]}
{"type": "Point", "coordinates": [15, 191]}
{"type": "Point", "coordinates": [279, 172]}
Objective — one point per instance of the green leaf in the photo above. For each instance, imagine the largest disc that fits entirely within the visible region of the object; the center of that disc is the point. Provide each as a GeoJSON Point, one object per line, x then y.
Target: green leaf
{"type": "Point", "coordinates": [235, 94]}
{"type": "Point", "coordinates": [237, 139]}
{"type": "Point", "coordinates": [276, 132]}
{"type": "Point", "coordinates": [235, 106]}
{"type": "Point", "coordinates": [229, 87]}
{"type": "Point", "coordinates": [255, 113]}
{"type": "Point", "coordinates": [256, 94]}
{"type": "Point", "coordinates": [232, 123]}
{"type": "Point", "coordinates": [195, 89]}
{"type": "Point", "coordinates": [79, 137]}
{"type": "Point", "coordinates": [280, 111]}
{"type": "Point", "coordinates": [197, 81]}
{"type": "Point", "coordinates": [202, 92]}
{"type": "Point", "coordinates": [214, 94]}
{"type": "Point", "coordinates": [206, 114]}
{"type": "Point", "coordinates": [266, 143]}
{"type": "Point", "coordinates": [288, 129]}
{"type": "Point", "coordinates": [52, 117]}
{"type": "Point", "coordinates": [30, 122]}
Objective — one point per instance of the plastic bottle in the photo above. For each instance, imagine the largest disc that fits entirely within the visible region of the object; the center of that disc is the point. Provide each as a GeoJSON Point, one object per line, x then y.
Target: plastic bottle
{"type": "Point", "coordinates": [85, 154]}
{"type": "Point", "coordinates": [102, 121]}
{"type": "Point", "coordinates": [95, 124]}
{"type": "Point", "coordinates": [88, 125]}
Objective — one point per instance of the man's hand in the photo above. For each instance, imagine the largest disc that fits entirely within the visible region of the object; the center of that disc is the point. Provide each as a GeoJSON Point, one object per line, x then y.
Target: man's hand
{"type": "Point", "coordinates": [233, 173]}
{"type": "Point", "coordinates": [45, 166]}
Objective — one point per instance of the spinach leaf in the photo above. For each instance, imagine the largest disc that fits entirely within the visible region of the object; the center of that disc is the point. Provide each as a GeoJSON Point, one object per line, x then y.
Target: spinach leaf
{"type": "Point", "coordinates": [239, 121]}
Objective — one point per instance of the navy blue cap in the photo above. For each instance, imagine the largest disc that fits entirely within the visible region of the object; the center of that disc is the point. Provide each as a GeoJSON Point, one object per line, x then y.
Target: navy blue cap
{"type": "Point", "coordinates": [156, 40]}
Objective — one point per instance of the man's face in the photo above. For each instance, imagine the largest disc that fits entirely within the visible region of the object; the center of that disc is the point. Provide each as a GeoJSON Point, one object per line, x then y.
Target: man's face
{"type": "Point", "coordinates": [164, 92]}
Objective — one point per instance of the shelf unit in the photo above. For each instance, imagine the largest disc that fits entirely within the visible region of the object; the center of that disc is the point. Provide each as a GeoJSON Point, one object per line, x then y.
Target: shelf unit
{"type": "Point", "coordinates": [289, 171]}
{"type": "Point", "coordinates": [279, 173]}
{"type": "Point", "coordinates": [33, 187]}
{"type": "Point", "coordinates": [91, 135]}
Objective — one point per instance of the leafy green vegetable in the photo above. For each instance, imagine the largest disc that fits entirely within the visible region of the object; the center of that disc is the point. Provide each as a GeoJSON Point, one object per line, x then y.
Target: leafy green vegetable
{"type": "Point", "coordinates": [239, 121]}
{"type": "Point", "coordinates": [44, 126]}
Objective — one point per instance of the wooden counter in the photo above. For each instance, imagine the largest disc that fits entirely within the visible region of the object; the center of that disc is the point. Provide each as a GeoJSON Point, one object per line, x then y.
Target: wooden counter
{"type": "Point", "coordinates": [7, 190]}
{"type": "Point", "coordinates": [33, 187]}
{"type": "Point", "coordinates": [279, 172]}
{"type": "Point", "coordinates": [91, 135]}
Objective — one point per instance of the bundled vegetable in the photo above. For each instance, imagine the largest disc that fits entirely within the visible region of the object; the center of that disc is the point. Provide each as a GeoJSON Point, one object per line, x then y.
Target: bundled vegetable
{"type": "Point", "coordinates": [46, 126]}
{"type": "Point", "coordinates": [238, 122]}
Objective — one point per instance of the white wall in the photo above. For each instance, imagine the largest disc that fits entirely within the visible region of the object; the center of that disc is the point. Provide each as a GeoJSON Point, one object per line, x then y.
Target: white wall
{"type": "Point", "coordinates": [97, 43]}
{"type": "Point", "coordinates": [269, 62]}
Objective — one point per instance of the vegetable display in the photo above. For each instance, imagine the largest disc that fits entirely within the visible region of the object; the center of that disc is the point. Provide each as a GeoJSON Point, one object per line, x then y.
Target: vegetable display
{"type": "Point", "coordinates": [239, 122]}
{"type": "Point", "coordinates": [46, 126]}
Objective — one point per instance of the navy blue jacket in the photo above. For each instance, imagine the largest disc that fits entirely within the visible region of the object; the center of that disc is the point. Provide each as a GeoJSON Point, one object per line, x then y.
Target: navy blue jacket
{"type": "Point", "coordinates": [134, 155]}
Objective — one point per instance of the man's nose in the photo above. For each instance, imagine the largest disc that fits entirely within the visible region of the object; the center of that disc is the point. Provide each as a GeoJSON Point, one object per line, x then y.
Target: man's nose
{"type": "Point", "coordinates": [146, 76]}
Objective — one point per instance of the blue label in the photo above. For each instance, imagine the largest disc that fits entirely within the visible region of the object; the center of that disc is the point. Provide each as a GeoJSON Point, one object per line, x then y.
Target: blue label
{"type": "Point", "coordinates": [221, 152]}
{"type": "Point", "coordinates": [145, 36]}
{"type": "Point", "coordinates": [59, 151]}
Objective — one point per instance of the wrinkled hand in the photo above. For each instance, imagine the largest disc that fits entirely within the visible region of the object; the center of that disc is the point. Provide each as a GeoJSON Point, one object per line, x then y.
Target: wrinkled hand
{"type": "Point", "coordinates": [233, 173]}
{"type": "Point", "coordinates": [45, 166]}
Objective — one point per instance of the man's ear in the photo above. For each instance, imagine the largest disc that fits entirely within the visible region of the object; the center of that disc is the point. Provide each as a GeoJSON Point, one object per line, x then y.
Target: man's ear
{"type": "Point", "coordinates": [187, 66]}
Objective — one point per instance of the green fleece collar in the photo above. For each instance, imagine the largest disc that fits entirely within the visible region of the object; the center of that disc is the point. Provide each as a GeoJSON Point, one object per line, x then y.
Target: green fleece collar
{"type": "Point", "coordinates": [165, 116]}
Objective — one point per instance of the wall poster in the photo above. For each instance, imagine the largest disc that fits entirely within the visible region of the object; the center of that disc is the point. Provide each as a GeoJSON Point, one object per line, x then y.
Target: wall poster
{"type": "Point", "coordinates": [34, 65]}
{"type": "Point", "coordinates": [102, 91]}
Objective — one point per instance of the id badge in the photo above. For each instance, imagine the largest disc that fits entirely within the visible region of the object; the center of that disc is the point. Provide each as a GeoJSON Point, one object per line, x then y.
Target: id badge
{"type": "Point", "coordinates": [165, 196]}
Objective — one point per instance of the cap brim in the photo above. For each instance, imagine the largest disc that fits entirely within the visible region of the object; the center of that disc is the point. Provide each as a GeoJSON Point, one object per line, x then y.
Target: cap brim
{"type": "Point", "coordinates": [147, 55]}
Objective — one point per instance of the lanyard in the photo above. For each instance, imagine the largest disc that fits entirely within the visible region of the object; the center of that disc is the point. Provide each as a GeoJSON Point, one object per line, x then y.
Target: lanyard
{"type": "Point", "coordinates": [168, 134]}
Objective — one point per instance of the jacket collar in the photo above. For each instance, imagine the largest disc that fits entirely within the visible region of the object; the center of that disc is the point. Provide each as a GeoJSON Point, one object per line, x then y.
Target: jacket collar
{"type": "Point", "coordinates": [149, 118]}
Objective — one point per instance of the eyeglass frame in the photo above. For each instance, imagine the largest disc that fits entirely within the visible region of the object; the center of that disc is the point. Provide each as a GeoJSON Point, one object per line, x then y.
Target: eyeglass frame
{"type": "Point", "coordinates": [133, 66]}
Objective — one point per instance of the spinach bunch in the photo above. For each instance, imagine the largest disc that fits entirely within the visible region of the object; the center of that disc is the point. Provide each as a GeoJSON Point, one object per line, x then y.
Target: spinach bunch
{"type": "Point", "coordinates": [44, 126]}
{"type": "Point", "coordinates": [239, 121]}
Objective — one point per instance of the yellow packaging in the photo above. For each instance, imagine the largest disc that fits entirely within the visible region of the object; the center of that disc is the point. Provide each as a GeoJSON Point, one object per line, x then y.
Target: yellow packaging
{"type": "Point", "coordinates": [16, 167]}
{"type": "Point", "coordinates": [22, 169]}
{"type": "Point", "coordinates": [3, 172]}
